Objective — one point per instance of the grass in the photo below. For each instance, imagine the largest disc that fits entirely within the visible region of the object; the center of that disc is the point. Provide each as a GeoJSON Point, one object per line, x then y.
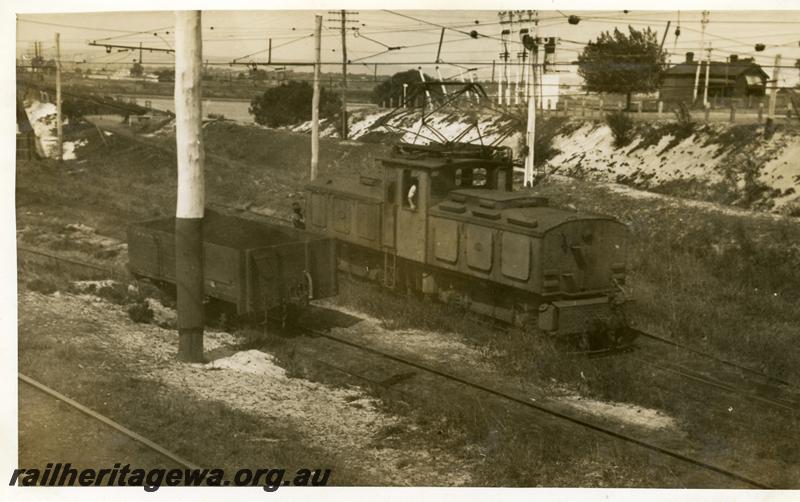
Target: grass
{"type": "Point", "coordinates": [711, 279]}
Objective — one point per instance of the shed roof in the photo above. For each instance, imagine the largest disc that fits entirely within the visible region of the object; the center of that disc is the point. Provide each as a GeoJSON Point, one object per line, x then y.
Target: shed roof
{"type": "Point", "coordinates": [719, 69]}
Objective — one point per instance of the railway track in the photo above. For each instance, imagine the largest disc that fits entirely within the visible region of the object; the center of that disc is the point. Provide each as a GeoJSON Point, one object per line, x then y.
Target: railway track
{"type": "Point", "coordinates": [56, 260]}
{"type": "Point", "coordinates": [747, 388]}
{"type": "Point", "coordinates": [526, 402]}
{"type": "Point", "coordinates": [751, 384]}
{"type": "Point", "coordinates": [107, 421]}
{"type": "Point", "coordinates": [711, 357]}
{"type": "Point", "coordinates": [547, 410]}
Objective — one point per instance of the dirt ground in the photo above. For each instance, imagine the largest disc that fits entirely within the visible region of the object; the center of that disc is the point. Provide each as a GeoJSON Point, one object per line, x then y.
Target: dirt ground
{"type": "Point", "coordinates": [337, 420]}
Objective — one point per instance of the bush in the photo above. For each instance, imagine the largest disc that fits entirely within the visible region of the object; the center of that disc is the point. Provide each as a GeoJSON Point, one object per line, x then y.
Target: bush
{"type": "Point", "coordinates": [546, 130]}
{"type": "Point", "coordinates": [621, 126]}
{"type": "Point", "coordinates": [140, 312]}
{"type": "Point", "coordinates": [42, 286]}
{"type": "Point", "coordinates": [290, 103]}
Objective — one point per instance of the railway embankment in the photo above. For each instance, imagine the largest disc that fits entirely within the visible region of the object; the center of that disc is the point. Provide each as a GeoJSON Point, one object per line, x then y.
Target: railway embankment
{"type": "Point", "coordinates": [739, 165]}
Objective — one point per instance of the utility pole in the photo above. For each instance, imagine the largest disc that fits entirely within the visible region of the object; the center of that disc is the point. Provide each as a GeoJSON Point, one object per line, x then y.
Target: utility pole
{"type": "Point", "coordinates": [517, 79]}
{"type": "Point", "coordinates": [664, 38]}
{"type": "Point", "coordinates": [315, 100]}
{"type": "Point", "coordinates": [708, 74]}
{"type": "Point", "coordinates": [703, 24]}
{"type": "Point", "coordinates": [342, 21]}
{"type": "Point", "coordinates": [773, 95]}
{"type": "Point", "coordinates": [501, 91]}
{"type": "Point", "coordinates": [191, 190]}
{"type": "Point", "coordinates": [344, 74]}
{"type": "Point", "coordinates": [59, 125]}
{"type": "Point", "coordinates": [530, 131]}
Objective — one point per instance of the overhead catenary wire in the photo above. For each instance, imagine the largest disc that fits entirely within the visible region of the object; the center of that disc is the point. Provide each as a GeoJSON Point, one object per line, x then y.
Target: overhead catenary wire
{"type": "Point", "coordinates": [460, 26]}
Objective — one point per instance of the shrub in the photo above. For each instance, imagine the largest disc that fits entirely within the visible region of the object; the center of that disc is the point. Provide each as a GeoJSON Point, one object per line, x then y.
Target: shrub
{"type": "Point", "coordinates": [546, 130]}
{"type": "Point", "coordinates": [290, 103]}
{"type": "Point", "coordinates": [140, 312]}
{"type": "Point", "coordinates": [621, 126]}
{"type": "Point", "coordinates": [42, 286]}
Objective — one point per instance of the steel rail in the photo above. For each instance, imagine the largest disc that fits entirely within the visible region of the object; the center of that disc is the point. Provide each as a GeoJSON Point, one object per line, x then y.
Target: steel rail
{"type": "Point", "coordinates": [77, 263]}
{"type": "Point", "coordinates": [699, 378]}
{"type": "Point", "coordinates": [107, 421]}
{"type": "Point", "coordinates": [546, 410]}
{"type": "Point", "coordinates": [706, 355]}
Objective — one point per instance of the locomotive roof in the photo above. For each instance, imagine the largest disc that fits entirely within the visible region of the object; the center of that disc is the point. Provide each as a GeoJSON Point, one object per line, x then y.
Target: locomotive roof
{"type": "Point", "coordinates": [497, 198]}
{"type": "Point", "coordinates": [518, 211]}
{"type": "Point", "coordinates": [353, 186]}
{"type": "Point", "coordinates": [438, 163]}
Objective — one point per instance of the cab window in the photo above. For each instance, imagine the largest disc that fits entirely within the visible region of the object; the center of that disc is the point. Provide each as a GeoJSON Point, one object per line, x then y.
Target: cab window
{"type": "Point", "coordinates": [410, 192]}
{"type": "Point", "coordinates": [442, 183]}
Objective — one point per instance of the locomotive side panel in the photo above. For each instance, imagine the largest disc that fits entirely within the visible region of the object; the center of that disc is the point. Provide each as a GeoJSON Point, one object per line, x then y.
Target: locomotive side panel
{"type": "Point", "coordinates": [584, 256]}
{"type": "Point", "coordinates": [503, 256]}
{"type": "Point", "coordinates": [350, 210]}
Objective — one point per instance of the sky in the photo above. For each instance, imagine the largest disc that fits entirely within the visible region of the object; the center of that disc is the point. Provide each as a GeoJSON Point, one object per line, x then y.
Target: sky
{"type": "Point", "coordinates": [229, 35]}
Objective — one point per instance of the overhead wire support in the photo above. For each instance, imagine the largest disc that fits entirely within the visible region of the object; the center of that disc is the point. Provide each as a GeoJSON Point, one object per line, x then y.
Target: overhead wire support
{"type": "Point", "coordinates": [439, 50]}
{"type": "Point", "coordinates": [357, 33]}
{"type": "Point", "coordinates": [703, 24]}
{"type": "Point", "coordinates": [342, 21]}
{"type": "Point", "coordinates": [109, 47]}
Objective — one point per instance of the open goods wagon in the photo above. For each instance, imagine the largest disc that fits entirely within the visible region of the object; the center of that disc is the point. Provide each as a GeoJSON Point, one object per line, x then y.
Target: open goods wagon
{"type": "Point", "coordinates": [256, 266]}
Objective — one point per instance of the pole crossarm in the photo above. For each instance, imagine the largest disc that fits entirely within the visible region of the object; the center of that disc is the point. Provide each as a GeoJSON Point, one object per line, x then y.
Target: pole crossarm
{"type": "Point", "coordinates": [131, 47]}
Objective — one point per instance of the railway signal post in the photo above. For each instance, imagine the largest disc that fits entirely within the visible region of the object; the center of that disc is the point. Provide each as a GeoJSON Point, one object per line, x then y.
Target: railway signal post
{"type": "Point", "coordinates": [191, 190]}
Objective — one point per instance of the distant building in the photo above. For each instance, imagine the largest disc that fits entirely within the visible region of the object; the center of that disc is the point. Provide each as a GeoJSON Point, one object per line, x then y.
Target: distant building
{"type": "Point", "coordinates": [735, 78]}
{"type": "Point", "coordinates": [551, 90]}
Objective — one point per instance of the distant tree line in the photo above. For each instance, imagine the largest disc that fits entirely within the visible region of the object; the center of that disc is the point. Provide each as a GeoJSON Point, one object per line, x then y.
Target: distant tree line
{"type": "Point", "coordinates": [290, 103]}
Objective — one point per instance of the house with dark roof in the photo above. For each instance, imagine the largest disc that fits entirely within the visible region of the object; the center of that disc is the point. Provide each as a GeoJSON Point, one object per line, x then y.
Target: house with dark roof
{"type": "Point", "coordinates": [735, 78]}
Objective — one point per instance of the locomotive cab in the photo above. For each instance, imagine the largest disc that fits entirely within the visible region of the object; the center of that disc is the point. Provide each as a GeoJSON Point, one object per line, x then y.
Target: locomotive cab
{"type": "Point", "coordinates": [417, 177]}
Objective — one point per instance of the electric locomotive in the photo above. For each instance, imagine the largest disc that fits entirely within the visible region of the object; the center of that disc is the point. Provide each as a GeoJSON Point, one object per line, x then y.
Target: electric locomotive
{"type": "Point", "coordinates": [443, 220]}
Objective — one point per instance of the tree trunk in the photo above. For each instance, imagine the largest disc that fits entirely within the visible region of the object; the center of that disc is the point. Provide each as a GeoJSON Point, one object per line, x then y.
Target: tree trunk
{"type": "Point", "coordinates": [628, 102]}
